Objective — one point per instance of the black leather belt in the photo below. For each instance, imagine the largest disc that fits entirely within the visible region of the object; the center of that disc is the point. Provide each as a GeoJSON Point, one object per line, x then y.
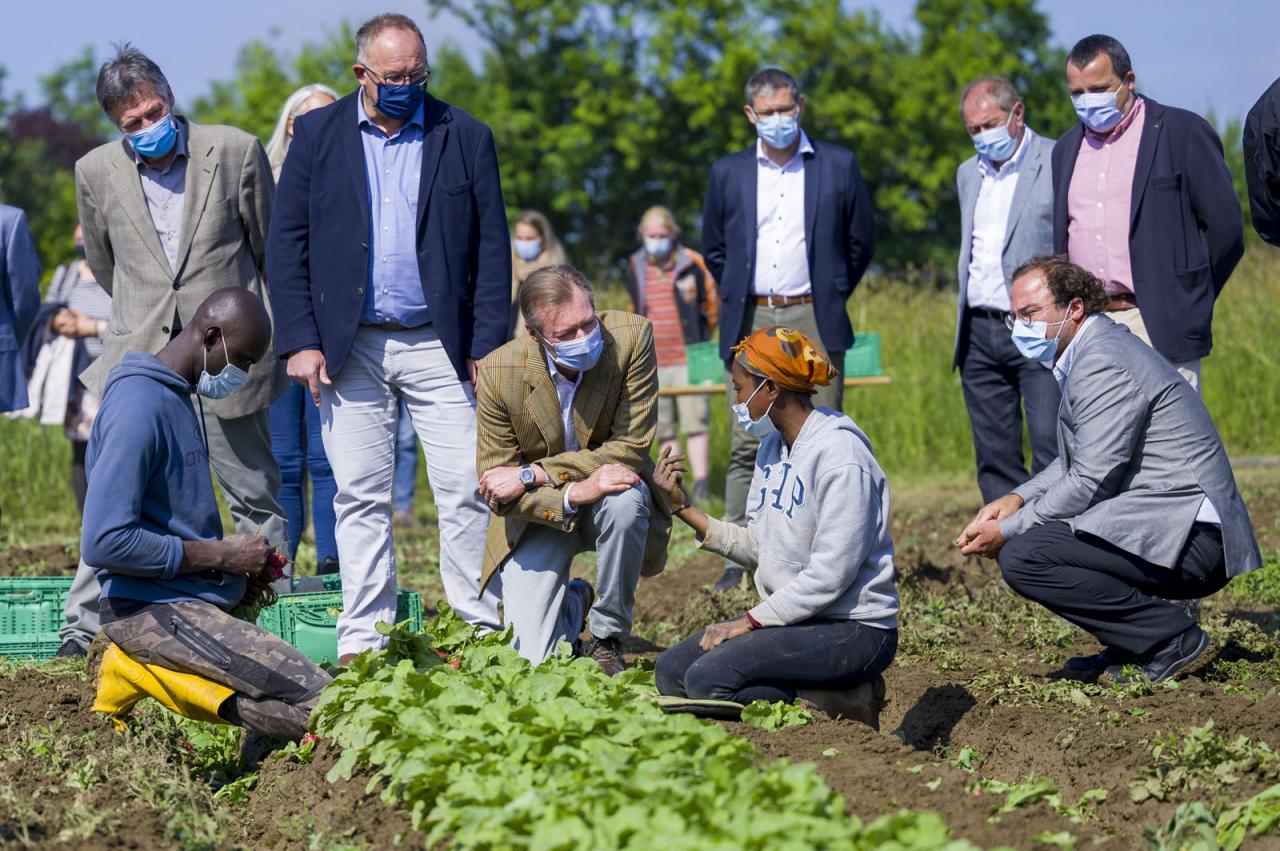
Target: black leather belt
{"type": "Point", "coordinates": [988, 313]}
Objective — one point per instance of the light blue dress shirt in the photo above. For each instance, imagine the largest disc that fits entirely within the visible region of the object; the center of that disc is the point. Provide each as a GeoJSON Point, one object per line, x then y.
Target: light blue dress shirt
{"type": "Point", "coordinates": [393, 166]}
{"type": "Point", "coordinates": [165, 192]}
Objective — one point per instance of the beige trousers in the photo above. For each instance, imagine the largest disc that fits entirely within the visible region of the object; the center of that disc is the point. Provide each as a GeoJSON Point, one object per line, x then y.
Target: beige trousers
{"type": "Point", "coordinates": [1132, 319]}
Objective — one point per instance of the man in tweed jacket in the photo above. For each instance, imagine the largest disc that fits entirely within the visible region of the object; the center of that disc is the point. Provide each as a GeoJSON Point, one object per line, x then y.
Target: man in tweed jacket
{"type": "Point", "coordinates": [565, 420]}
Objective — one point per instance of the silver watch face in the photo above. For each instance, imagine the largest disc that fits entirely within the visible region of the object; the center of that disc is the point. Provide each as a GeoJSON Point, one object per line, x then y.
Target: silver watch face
{"type": "Point", "coordinates": [527, 476]}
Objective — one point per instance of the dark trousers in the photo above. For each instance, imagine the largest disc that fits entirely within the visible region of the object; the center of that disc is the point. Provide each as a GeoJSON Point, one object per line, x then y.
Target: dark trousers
{"type": "Point", "coordinates": [1116, 596]}
{"type": "Point", "coordinates": [296, 443]}
{"type": "Point", "coordinates": [998, 382]}
{"type": "Point", "coordinates": [772, 663]}
{"type": "Point", "coordinates": [276, 685]}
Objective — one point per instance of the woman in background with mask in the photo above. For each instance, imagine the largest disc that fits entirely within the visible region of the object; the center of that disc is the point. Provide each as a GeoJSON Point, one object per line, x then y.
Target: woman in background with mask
{"type": "Point", "coordinates": [670, 285]}
{"type": "Point", "coordinates": [817, 539]}
{"type": "Point", "coordinates": [295, 420]}
{"type": "Point", "coordinates": [534, 246]}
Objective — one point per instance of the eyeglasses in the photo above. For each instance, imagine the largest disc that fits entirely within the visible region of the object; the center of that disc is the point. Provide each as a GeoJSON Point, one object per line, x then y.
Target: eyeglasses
{"type": "Point", "coordinates": [1028, 316]}
{"type": "Point", "coordinates": [417, 78]}
{"type": "Point", "coordinates": [782, 110]}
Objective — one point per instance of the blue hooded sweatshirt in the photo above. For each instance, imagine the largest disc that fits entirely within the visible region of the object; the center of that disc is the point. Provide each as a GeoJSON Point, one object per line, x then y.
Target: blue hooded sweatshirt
{"type": "Point", "coordinates": [150, 490]}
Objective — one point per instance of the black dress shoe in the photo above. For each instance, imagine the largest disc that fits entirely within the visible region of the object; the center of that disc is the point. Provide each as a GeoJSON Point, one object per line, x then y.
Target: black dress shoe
{"type": "Point", "coordinates": [1090, 667]}
{"type": "Point", "coordinates": [733, 577]}
{"type": "Point", "coordinates": [329, 565]}
{"type": "Point", "coordinates": [1177, 654]}
{"type": "Point", "coordinates": [70, 649]}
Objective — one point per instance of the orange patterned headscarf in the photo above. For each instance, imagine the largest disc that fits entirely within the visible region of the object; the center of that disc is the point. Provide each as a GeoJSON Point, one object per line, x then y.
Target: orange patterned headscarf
{"type": "Point", "coordinates": [786, 357]}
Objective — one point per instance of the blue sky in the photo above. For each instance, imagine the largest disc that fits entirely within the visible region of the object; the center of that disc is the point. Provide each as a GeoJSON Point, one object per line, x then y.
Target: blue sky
{"type": "Point", "coordinates": [1188, 53]}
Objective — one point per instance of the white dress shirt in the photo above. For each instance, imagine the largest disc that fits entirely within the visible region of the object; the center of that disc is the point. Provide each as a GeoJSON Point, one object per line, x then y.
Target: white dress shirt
{"type": "Point", "coordinates": [987, 286]}
{"type": "Point", "coordinates": [1061, 369]}
{"type": "Point", "coordinates": [565, 391]}
{"type": "Point", "coordinates": [782, 260]}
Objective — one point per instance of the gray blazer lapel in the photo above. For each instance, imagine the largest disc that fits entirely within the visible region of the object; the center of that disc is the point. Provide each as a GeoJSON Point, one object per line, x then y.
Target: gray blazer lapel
{"type": "Point", "coordinates": [1027, 173]}
{"type": "Point", "coordinates": [127, 186]}
{"type": "Point", "coordinates": [201, 167]}
{"type": "Point", "coordinates": [969, 181]}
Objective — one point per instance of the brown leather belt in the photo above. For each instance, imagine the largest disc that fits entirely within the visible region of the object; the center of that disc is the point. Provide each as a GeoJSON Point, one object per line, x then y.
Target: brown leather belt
{"type": "Point", "coordinates": [1121, 301]}
{"type": "Point", "coordinates": [782, 300]}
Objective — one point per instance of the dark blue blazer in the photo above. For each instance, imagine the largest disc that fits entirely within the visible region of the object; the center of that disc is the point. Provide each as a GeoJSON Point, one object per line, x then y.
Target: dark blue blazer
{"type": "Point", "coordinates": [1186, 233]}
{"type": "Point", "coordinates": [839, 232]}
{"type": "Point", "coordinates": [318, 248]}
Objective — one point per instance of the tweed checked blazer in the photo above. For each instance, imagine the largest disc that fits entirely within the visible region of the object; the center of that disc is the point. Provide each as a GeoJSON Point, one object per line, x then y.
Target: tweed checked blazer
{"type": "Point", "coordinates": [615, 416]}
{"type": "Point", "coordinates": [226, 208]}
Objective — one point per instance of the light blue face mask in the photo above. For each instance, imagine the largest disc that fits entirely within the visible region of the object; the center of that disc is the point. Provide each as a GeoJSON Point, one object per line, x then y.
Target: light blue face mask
{"type": "Point", "coordinates": [528, 249]}
{"type": "Point", "coordinates": [997, 144]}
{"type": "Point", "coordinates": [1030, 339]}
{"type": "Point", "coordinates": [760, 428]}
{"type": "Point", "coordinates": [580, 354]}
{"type": "Point", "coordinates": [1098, 110]}
{"type": "Point", "coordinates": [657, 248]}
{"type": "Point", "coordinates": [156, 140]}
{"type": "Point", "coordinates": [778, 131]}
{"type": "Point", "coordinates": [226, 383]}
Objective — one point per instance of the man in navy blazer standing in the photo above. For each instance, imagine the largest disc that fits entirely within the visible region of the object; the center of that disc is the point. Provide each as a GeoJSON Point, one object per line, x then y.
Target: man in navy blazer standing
{"type": "Point", "coordinates": [1143, 200]}
{"type": "Point", "coordinates": [787, 230]}
{"type": "Point", "coordinates": [389, 264]}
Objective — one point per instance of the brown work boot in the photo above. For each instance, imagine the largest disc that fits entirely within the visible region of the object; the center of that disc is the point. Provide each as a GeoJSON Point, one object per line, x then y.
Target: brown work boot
{"type": "Point", "coordinates": [607, 653]}
{"type": "Point", "coordinates": [863, 702]}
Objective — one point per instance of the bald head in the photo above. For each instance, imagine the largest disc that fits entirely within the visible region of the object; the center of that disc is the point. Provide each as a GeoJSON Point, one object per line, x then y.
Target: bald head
{"type": "Point", "coordinates": [241, 319]}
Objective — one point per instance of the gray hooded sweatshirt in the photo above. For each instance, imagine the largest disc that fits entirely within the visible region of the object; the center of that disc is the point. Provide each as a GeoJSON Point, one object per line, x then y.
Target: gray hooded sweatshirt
{"type": "Point", "coordinates": [817, 533]}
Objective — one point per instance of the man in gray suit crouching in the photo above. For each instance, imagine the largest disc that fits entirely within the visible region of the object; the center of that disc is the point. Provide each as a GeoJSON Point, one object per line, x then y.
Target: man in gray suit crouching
{"type": "Point", "coordinates": [171, 213]}
{"type": "Point", "coordinates": [1140, 507]}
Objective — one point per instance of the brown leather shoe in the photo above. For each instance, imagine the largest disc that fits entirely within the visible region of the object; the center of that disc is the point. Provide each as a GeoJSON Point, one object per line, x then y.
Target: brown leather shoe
{"type": "Point", "coordinates": [863, 702]}
{"type": "Point", "coordinates": [607, 653]}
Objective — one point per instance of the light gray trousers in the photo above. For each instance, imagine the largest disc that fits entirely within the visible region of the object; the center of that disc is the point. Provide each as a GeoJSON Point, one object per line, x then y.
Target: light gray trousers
{"type": "Point", "coordinates": [247, 474]}
{"type": "Point", "coordinates": [536, 574]}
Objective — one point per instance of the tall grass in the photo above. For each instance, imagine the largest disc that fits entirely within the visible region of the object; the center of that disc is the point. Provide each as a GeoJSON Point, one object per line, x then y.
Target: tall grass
{"type": "Point", "coordinates": [918, 424]}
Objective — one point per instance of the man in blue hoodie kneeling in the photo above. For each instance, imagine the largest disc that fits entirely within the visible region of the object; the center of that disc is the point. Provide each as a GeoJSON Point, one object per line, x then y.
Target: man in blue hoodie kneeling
{"type": "Point", "coordinates": [151, 526]}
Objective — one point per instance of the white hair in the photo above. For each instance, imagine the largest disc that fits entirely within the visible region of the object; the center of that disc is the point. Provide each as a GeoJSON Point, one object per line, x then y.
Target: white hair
{"type": "Point", "coordinates": [279, 144]}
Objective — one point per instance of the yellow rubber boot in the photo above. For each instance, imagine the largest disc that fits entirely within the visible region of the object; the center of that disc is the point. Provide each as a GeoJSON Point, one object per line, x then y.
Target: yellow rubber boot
{"type": "Point", "coordinates": [123, 681]}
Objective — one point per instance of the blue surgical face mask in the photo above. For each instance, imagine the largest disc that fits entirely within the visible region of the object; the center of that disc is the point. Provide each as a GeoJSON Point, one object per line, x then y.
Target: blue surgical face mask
{"type": "Point", "coordinates": [657, 248]}
{"type": "Point", "coordinates": [760, 428]}
{"type": "Point", "coordinates": [399, 102]}
{"type": "Point", "coordinates": [1098, 110]}
{"type": "Point", "coordinates": [226, 383]}
{"type": "Point", "coordinates": [1030, 339]}
{"type": "Point", "coordinates": [580, 354]}
{"type": "Point", "coordinates": [528, 249]}
{"type": "Point", "coordinates": [155, 141]}
{"type": "Point", "coordinates": [778, 131]}
{"type": "Point", "coordinates": [997, 144]}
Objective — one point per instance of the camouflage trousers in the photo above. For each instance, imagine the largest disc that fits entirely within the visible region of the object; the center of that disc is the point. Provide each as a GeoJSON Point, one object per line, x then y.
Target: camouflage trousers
{"type": "Point", "coordinates": [276, 685]}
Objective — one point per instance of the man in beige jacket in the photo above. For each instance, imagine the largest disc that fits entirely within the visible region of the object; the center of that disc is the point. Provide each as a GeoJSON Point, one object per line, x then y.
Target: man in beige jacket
{"type": "Point", "coordinates": [172, 212]}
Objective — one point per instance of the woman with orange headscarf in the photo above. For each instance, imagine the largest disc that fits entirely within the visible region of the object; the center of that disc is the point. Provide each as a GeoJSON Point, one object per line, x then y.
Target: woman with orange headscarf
{"type": "Point", "coordinates": [817, 538]}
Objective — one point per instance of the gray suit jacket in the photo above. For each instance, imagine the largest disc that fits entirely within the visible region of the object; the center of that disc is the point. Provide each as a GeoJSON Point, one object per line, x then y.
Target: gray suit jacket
{"type": "Point", "coordinates": [225, 213]}
{"type": "Point", "coordinates": [1137, 454]}
{"type": "Point", "coordinates": [1030, 230]}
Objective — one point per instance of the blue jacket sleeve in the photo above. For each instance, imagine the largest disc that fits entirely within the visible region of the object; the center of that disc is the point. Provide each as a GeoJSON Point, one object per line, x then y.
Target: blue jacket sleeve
{"type": "Point", "coordinates": [713, 247]}
{"type": "Point", "coordinates": [23, 274]}
{"type": "Point", "coordinates": [113, 536]}
{"type": "Point", "coordinates": [288, 250]}
{"type": "Point", "coordinates": [491, 303]}
{"type": "Point", "coordinates": [1214, 202]}
{"type": "Point", "coordinates": [860, 214]}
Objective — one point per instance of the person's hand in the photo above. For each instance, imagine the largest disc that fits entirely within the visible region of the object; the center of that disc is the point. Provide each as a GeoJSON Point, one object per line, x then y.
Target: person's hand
{"type": "Point", "coordinates": [998, 509]}
{"type": "Point", "coordinates": [668, 476]}
{"type": "Point", "coordinates": [611, 478]}
{"type": "Point", "coordinates": [981, 539]}
{"type": "Point", "coordinates": [244, 555]}
{"type": "Point", "coordinates": [500, 486]}
{"type": "Point", "coordinates": [471, 370]}
{"type": "Point", "coordinates": [307, 367]}
{"type": "Point", "coordinates": [66, 322]}
{"type": "Point", "coordinates": [86, 326]}
{"type": "Point", "coordinates": [718, 633]}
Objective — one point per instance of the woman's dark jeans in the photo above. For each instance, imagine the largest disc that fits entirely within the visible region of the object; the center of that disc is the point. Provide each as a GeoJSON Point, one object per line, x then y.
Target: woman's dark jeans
{"type": "Point", "coordinates": [296, 443]}
{"type": "Point", "coordinates": [773, 662]}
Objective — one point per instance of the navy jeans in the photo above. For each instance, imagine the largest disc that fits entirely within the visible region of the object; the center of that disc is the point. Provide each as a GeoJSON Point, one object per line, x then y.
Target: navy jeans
{"type": "Point", "coordinates": [296, 443]}
{"type": "Point", "coordinates": [773, 662]}
{"type": "Point", "coordinates": [406, 478]}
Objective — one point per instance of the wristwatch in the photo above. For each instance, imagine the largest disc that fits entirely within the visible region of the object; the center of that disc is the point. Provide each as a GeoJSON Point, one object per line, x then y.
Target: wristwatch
{"type": "Point", "coordinates": [528, 478]}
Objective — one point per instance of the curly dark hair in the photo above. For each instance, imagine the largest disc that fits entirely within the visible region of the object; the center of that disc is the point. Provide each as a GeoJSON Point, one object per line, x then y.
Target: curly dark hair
{"type": "Point", "coordinates": [1067, 281]}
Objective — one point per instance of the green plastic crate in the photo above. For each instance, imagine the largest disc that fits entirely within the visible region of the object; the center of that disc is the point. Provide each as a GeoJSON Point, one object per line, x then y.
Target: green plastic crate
{"type": "Point", "coordinates": [705, 365]}
{"type": "Point", "coordinates": [309, 621]}
{"type": "Point", "coordinates": [864, 358]}
{"type": "Point", "coordinates": [31, 615]}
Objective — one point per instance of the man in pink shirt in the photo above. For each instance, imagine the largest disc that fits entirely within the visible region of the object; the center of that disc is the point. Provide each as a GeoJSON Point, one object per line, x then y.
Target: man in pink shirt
{"type": "Point", "coordinates": [1144, 201]}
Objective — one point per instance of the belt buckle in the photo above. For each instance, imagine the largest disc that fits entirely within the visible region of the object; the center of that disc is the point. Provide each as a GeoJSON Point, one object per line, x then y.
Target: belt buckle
{"type": "Point", "coordinates": [769, 303]}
